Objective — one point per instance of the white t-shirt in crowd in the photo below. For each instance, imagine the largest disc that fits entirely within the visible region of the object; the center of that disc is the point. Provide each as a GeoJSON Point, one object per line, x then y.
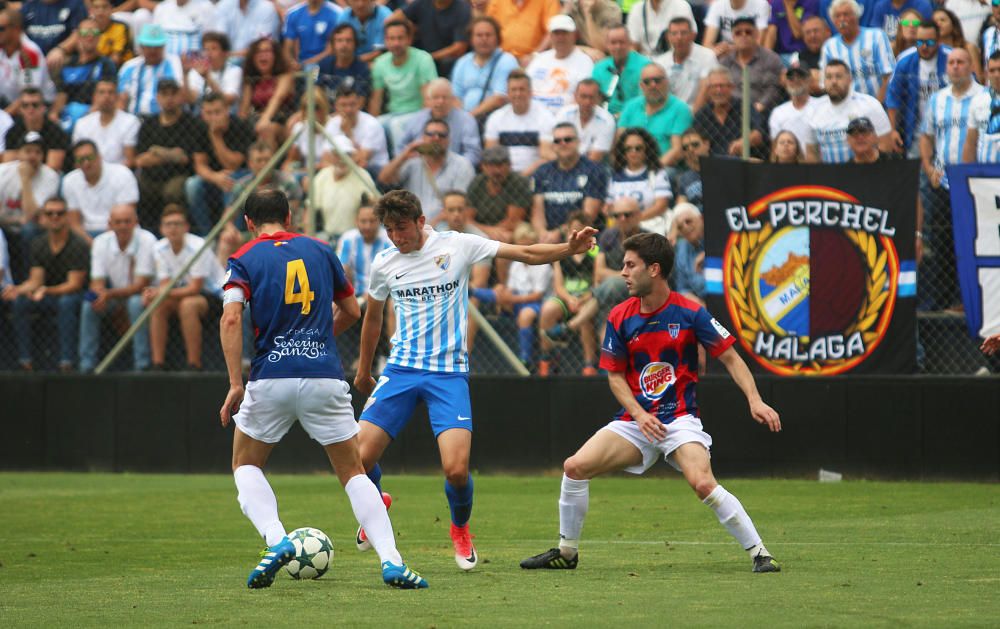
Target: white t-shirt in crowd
{"type": "Point", "coordinates": [645, 26]}
{"type": "Point", "coordinates": [828, 124]}
{"type": "Point", "coordinates": [6, 122]}
{"type": "Point", "coordinates": [230, 80]}
{"type": "Point", "coordinates": [524, 279]}
{"type": "Point", "coordinates": [44, 184]}
{"type": "Point", "coordinates": [169, 263]}
{"type": "Point", "coordinates": [120, 268]}
{"type": "Point", "coordinates": [320, 142]}
{"type": "Point", "coordinates": [785, 117]}
{"type": "Point", "coordinates": [117, 186]}
{"type": "Point", "coordinates": [111, 140]}
{"type": "Point", "coordinates": [368, 135]}
{"type": "Point", "coordinates": [553, 80]}
{"type": "Point", "coordinates": [521, 134]}
{"type": "Point", "coordinates": [721, 15]}
{"type": "Point", "coordinates": [597, 135]}
{"type": "Point", "coordinates": [685, 77]}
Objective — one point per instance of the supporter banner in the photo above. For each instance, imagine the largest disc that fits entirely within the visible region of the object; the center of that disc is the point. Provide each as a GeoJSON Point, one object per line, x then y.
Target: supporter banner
{"type": "Point", "coordinates": [975, 211]}
{"type": "Point", "coordinates": [812, 266]}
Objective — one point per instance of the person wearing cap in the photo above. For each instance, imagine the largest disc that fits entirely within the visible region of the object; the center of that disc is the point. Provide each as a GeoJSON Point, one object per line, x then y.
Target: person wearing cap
{"type": "Point", "coordinates": [227, 139]}
{"type": "Point", "coordinates": [479, 77]}
{"type": "Point", "coordinates": [648, 22]}
{"type": "Point", "coordinates": [866, 51]}
{"type": "Point", "coordinates": [658, 111]}
{"type": "Point", "coordinates": [371, 150]}
{"type": "Point", "coordinates": [442, 29]}
{"type": "Point", "coordinates": [784, 30]}
{"type": "Point", "coordinates": [555, 73]}
{"type": "Point", "coordinates": [258, 155]}
{"type": "Point", "coordinates": [830, 115]}
{"type": "Point", "coordinates": [793, 115]}
{"type": "Point", "coordinates": [33, 119]}
{"type": "Point", "coordinates": [138, 78]}
{"type": "Point", "coordinates": [339, 189]}
{"type": "Point", "coordinates": [920, 71]}
{"type": "Point", "coordinates": [246, 21]}
{"type": "Point", "coordinates": [96, 188]}
{"type": "Point", "coordinates": [594, 123]}
{"type": "Point", "coordinates": [441, 104]}
{"type": "Point", "coordinates": [25, 184]}
{"type": "Point", "coordinates": [22, 63]}
{"type": "Point", "coordinates": [864, 143]}
{"type": "Point", "coordinates": [52, 25]}
{"type": "Point", "coordinates": [720, 22]}
{"type": "Point", "coordinates": [617, 74]}
{"type": "Point", "coordinates": [401, 73]}
{"type": "Point", "coordinates": [498, 196]}
{"type": "Point", "coordinates": [523, 25]}
{"type": "Point", "coordinates": [764, 66]}
{"type": "Point", "coordinates": [687, 63]}
{"type": "Point", "coordinates": [78, 77]}
{"type": "Point", "coordinates": [169, 145]}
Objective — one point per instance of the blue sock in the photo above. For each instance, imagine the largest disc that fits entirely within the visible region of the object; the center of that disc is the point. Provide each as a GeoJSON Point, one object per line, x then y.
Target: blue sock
{"type": "Point", "coordinates": [526, 340]}
{"type": "Point", "coordinates": [376, 476]}
{"type": "Point", "coordinates": [460, 502]}
{"type": "Point", "coordinates": [485, 295]}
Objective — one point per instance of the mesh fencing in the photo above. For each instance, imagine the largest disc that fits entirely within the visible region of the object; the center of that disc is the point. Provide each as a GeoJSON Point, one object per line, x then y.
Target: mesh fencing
{"type": "Point", "coordinates": [557, 334]}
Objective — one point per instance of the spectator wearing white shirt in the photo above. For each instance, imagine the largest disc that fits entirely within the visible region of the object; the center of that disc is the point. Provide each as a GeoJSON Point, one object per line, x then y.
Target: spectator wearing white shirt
{"type": "Point", "coordinates": [982, 142]}
{"type": "Point", "coordinates": [371, 150]}
{"type": "Point", "coordinates": [555, 73]}
{"type": "Point", "coordinates": [188, 299]}
{"type": "Point", "coordinates": [793, 115]}
{"type": "Point", "coordinates": [523, 126]}
{"type": "Point", "coordinates": [211, 71]}
{"type": "Point", "coordinates": [595, 124]}
{"type": "Point", "coordinates": [95, 189]}
{"type": "Point", "coordinates": [245, 21]}
{"type": "Point", "coordinates": [184, 21]}
{"type": "Point", "coordinates": [25, 185]}
{"type": "Point", "coordinates": [832, 113]}
{"type": "Point", "coordinates": [721, 16]}
{"type": "Point", "coordinates": [113, 131]}
{"type": "Point", "coordinates": [121, 266]}
{"type": "Point", "coordinates": [686, 63]}
{"type": "Point", "coordinates": [22, 63]}
{"type": "Point", "coordinates": [648, 21]}
{"type": "Point", "coordinates": [298, 153]}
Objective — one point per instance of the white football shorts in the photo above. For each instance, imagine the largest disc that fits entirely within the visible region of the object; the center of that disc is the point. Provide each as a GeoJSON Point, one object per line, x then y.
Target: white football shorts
{"type": "Point", "coordinates": [684, 429]}
{"type": "Point", "coordinates": [321, 405]}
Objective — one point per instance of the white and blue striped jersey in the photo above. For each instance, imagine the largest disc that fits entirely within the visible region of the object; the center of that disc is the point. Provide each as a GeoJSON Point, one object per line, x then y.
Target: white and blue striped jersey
{"type": "Point", "coordinates": [828, 124]}
{"type": "Point", "coordinates": [356, 254]}
{"type": "Point", "coordinates": [184, 24]}
{"type": "Point", "coordinates": [430, 293]}
{"type": "Point", "coordinates": [985, 118]}
{"type": "Point", "coordinates": [947, 119]}
{"type": "Point", "coordinates": [990, 43]}
{"type": "Point", "coordinates": [138, 79]}
{"type": "Point", "coordinates": [869, 57]}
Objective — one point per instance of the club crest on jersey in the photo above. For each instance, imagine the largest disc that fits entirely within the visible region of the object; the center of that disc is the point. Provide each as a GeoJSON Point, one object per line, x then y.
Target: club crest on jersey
{"type": "Point", "coordinates": [674, 329]}
{"type": "Point", "coordinates": [655, 379]}
{"type": "Point", "coordinates": [581, 181]}
{"type": "Point", "coordinates": [443, 261]}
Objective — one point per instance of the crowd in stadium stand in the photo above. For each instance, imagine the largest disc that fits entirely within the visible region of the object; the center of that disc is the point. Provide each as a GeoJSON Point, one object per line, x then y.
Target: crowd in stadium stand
{"type": "Point", "coordinates": [127, 126]}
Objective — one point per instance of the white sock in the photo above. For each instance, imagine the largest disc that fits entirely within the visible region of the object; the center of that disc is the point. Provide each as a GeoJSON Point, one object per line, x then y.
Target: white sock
{"type": "Point", "coordinates": [574, 500]}
{"type": "Point", "coordinates": [371, 514]}
{"type": "Point", "coordinates": [734, 517]}
{"type": "Point", "coordinates": [258, 503]}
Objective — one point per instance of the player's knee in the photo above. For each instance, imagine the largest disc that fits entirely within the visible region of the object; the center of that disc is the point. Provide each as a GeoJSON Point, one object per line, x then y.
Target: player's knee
{"type": "Point", "coordinates": [457, 475]}
{"type": "Point", "coordinates": [703, 486]}
{"type": "Point", "coordinates": [574, 468]}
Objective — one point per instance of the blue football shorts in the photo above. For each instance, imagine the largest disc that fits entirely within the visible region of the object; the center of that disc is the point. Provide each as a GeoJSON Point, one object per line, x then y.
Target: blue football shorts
{"type": "Point", "coordinates": [398, 390]}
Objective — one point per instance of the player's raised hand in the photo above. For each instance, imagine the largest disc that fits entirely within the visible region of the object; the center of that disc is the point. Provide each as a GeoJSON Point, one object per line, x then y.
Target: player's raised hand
{"type": "Point", "coordinates": [764, 414]}
{"type": "Point", "coordinates": [364, 383]}
{"type": "Point", "coordinates": [651, 426]}
{"type": "Point", "coordinates": [232, 404]}
{"type": "Point", "coordinates": [583, 240]}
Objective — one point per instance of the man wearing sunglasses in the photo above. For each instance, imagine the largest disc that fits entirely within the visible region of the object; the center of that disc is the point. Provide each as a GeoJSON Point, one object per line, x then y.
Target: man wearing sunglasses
{"type": "Point", "coordinates": [78, 78]}
{"type": "Point", "coordinates": [570, 182]}
{"type": "Point", "coordinates": [920, 71]}
{"type": "Point", "coordinates": [658, 111]}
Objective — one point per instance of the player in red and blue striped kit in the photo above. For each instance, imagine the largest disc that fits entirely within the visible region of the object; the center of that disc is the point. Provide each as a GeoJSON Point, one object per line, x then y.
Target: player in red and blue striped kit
{"type": "Point", "coordinates": [651, 354]}
{"type": "Point", "coordinates": [293, 282]}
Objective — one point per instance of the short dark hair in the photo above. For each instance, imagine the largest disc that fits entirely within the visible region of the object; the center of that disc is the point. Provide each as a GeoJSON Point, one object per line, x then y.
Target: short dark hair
{"type": "Point", "coordinates": [566, 125]}
{"type": "Point", "coordinates": [440, 121]}
{"type": "Point", "coordinates": [455, 192]}
{"type": "Point", "coordinates": [220, 38]}
{"type": "Point", "coordinates": [652, 249]}
{"type": "Point", "coordinates": [590, 83]}
{"type": "Point", "coordinates": [174, 208]}
{"type": "Point", "coordinates": [341, 28]}
{"type": "Point", "coordinates": [930, 24]}
{"type": "Point", "coordinates": [266, 205]}
{"type": "Point", "coordinates": [82, 143]}
{"type": "Point", "coordinates": [55, 199]}
{"type": "Point", "coordinates": [398, 205]}
{"type": "Point", "coordinates": [33, 91]}
{"type": "Point", "coordinates": [838, 62]}
{"type": "Point", "coordinates": [486, 19]}
{"type": "Point", "coordinates": [261, 146]}
{"type": "Point", "coordinates": [214, 97]}
{"type": "Point", "coordinates": [518, 74]}
{"type": "Point", "coordinates": [405, 24]}
{"type": "Point", "coordinates": [680, 20]}
{"type": "Point", "coordinates": [994, 56]}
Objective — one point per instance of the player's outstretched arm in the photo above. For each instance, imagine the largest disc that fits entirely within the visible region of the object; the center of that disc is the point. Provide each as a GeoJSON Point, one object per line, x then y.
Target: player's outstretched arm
{"type": "Point", "coordinates": [578, 242]}
{"type": "Point", "coordinates": [991, 345]}
{"type": "Point", "coordinates": [761, 412]}
{"type": "Point", "coordinates": [346, 314]}
{"type": "Point", "coordinates": [371, 329]}
{"type": "Point", "coordinates": [231, 334]}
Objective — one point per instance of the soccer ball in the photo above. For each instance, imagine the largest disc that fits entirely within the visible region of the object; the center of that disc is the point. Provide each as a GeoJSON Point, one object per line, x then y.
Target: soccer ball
{"type": "Point", "coordinates": [313, 553]}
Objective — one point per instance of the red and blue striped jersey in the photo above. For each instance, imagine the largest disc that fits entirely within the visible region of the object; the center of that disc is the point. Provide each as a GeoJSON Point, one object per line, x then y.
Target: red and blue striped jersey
{"type": "Point", "coordinates": [291, 282]}
{"type": "Point", "coordinates": [658, 352]}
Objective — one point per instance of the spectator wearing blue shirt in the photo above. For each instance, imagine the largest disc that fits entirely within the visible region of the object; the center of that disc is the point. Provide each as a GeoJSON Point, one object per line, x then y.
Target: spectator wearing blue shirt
{"type": "Point", "coordinates": [357, 247]}
{"type": "Point", "coordinates": [920, 71]}
{"type": "Point", "coordinates": [308, 28]}
{"type": "Point", "coordinates": [76, 81]}
{"type": "Point", "coordinates": [464, 138]}
{"type": "Point", "coordinates": [479, 77]}
{"type": "Point", "coordinates": [246, 21]}
{"type": "Point", "coordinates": [368, 19]}
{"type": "Point", "coordinates": [784, 30]}
{"type": "Point", "coordinates": [52, 24]}
{"type": "Point", "coordinates": [885, 14]}
{"type": "Point", "coordinates": [570, 182]}
{"type": "Point", "coordinates": [342, 68]}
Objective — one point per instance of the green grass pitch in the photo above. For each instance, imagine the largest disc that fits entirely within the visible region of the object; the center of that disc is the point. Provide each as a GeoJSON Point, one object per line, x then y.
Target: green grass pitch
{"type": "Point", "coordinates": [89, 550]}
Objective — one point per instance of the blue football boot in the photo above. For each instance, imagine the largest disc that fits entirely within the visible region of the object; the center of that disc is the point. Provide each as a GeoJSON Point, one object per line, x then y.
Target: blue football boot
{"type": "Point", "coordinates": [271, 560]}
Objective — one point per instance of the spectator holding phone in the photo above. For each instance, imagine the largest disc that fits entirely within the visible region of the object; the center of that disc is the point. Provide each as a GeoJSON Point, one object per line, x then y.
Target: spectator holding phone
{"type": "Point", "coordinates": [208, 71]}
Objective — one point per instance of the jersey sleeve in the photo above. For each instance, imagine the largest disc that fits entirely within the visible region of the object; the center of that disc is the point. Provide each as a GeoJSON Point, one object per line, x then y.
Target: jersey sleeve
{"type": "Point", "coordinates": [711, 333]}
{"type": "Point", "coordinates": [614, 351]}
{"type": "Point", "coordinates": [378, 287]}
{"type": "Point", "coordinates": [342, 287]}
{"type": "Point", "coordinates": [478, 248]}
{"type": "Point", "coordinates": [237, 277]}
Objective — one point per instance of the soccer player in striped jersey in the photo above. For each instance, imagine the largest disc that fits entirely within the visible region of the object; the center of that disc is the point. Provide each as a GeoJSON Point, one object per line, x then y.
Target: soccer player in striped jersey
{"type": "Point", "coordinates": [982, 141]}
{"type": "Point", "coordinates": [867, 51]}
{"type": "Point", "coordinates": [427, 275]}
{"type": "Point", "coordinates": [650, 353]}
{"type": "Point", "coordinates": [294, 282]}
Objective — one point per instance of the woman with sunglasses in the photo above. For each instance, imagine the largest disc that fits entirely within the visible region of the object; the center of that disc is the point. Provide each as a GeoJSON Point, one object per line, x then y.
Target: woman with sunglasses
{"type": "Point", "coordinates": [906, 34]}
{"type": "Point", "coordinates": [268, 97]}
{"type": "Point", "coordinates": [950, 33]}
{"type": "Point", "coordinates": [636, 172]}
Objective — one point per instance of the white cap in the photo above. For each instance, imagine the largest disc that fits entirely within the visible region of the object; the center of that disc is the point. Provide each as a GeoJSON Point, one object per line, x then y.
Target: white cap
{"type": "Point", "coordinates": [562, 23]}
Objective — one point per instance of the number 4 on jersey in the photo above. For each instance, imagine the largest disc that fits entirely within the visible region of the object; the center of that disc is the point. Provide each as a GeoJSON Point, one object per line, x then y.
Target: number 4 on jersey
{"type": "Point", "coordinates": [296, 272]}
